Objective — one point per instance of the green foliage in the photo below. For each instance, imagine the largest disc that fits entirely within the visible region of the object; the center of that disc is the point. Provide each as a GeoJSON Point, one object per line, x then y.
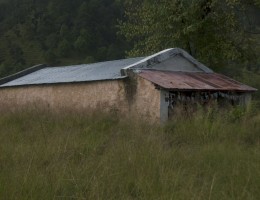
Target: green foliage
{"type": "Point", "coordinates": [58, 32]}
{"type": "Point", "coordinates": [211, 30]}
{"type": "Point", "coordinates": [257, 2]}
{"type": "Point", "coordinates": [69, 155]}
{"type": "Point", "coordinates": [64, 48]}
{"type": "Point", "coordinates": [50, 57]}
{"type": "Point", "coordinates": [81, 44]}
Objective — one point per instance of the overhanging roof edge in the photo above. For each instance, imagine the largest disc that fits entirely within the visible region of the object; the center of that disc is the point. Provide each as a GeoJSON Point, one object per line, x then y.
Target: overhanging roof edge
{"type": "Point", "coordinates": [22, 73]}
{"type": "Point", "coordinates": [175, 81]}
{"type": "Point", "coordinates": [60, 83]}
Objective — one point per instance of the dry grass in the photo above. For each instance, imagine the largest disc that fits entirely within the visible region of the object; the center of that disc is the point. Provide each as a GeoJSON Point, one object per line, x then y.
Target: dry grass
{"type": "Point", "coordinates": [212, 155]}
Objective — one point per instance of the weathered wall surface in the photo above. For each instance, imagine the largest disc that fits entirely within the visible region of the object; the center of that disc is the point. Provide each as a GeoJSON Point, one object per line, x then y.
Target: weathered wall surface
{"type": "Point", "coordinates": [103, 94]}
{"type": "Point", "coordinates": [144, 100]}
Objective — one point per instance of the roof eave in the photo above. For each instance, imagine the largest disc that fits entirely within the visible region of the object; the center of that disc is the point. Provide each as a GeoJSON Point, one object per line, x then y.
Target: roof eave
{"type": "Point", "coordinates": [22, 73]}
{"type": "Point", "coordinates": [62, 83]}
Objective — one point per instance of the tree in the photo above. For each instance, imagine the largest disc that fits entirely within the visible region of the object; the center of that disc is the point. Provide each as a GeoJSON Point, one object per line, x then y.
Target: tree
{"type": "Point", "coordinates": [64, 48]}
{"type": "Point", "coordinates": [210, 30]}
{"type": "Point", "coordinates": [59, 32]}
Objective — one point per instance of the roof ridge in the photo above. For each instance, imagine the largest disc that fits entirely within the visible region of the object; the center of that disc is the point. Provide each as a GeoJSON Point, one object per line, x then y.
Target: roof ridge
{"type": "Point", "coordinates": [162, 56]}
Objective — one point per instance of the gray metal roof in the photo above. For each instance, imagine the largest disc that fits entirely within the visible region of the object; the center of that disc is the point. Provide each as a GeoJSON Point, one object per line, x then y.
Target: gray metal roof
{"type": "Point", "coordinates": [77, 73]}
{"type": "Point", "coordinates": [161, 56]}
{"type": "Point", "coordinates": [110, 70]}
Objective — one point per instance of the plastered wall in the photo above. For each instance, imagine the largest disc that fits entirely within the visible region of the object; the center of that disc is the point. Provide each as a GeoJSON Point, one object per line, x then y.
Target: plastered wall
{"type": "Point", "coordinates": [144, 100]}
{"type": "Point", "coordinates": [102, 94]}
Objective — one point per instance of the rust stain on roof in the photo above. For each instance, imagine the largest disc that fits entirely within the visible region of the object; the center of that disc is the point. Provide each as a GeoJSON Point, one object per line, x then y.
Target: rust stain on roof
{"type": "Point", "coordinates": [194, 81]}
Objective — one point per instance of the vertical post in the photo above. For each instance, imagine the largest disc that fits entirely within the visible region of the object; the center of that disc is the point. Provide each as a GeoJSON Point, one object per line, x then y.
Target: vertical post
{"type": "Point", "coordinates": [163, 106]}
{"type": "Point", "coordinates": [245, 100]}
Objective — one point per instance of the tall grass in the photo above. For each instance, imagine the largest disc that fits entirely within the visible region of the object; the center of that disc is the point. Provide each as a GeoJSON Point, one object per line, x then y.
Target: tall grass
{"type": "Point", "coordinates": [212, 155]}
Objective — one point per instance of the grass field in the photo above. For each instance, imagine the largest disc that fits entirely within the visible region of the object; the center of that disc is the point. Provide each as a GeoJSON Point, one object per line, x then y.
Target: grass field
{"type": "Point", "coordinates": [212, 155]}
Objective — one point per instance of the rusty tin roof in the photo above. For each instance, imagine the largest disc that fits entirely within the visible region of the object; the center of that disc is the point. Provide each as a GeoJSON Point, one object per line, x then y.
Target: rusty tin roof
{"type": "Point", "coordinates": [194, 81]}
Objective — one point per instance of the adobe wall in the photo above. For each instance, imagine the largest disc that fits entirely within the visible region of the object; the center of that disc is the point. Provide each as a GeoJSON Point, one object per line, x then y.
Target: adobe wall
{"type": "Point", "coordinates": [142, 100]}
{"type": "Point", "coordinates": [105, 95]}
{"type": "Point", "coordinates": [146, 102]}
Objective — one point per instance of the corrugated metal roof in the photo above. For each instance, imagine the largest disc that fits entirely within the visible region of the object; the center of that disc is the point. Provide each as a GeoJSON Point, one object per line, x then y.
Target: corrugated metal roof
{"type": "Point", "coordinates": [194, 81]}
{"type": "Point", "coordinates": [77, 73]}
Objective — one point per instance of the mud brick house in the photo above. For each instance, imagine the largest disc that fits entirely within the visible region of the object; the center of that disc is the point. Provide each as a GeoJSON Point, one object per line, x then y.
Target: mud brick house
{"type": "Point", "coordinates": [148, 86]}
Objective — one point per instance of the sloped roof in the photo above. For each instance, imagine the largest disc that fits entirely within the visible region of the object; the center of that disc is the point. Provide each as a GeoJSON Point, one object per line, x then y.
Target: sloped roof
{"type": "Point", "coordinates": [118, 69]}
{"type": "Point", "coordinates": [109, 70]}
{"type": "Point", "coordinates": [148, 62]}
{"type": "Point", "coordinates": [185, 81]}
